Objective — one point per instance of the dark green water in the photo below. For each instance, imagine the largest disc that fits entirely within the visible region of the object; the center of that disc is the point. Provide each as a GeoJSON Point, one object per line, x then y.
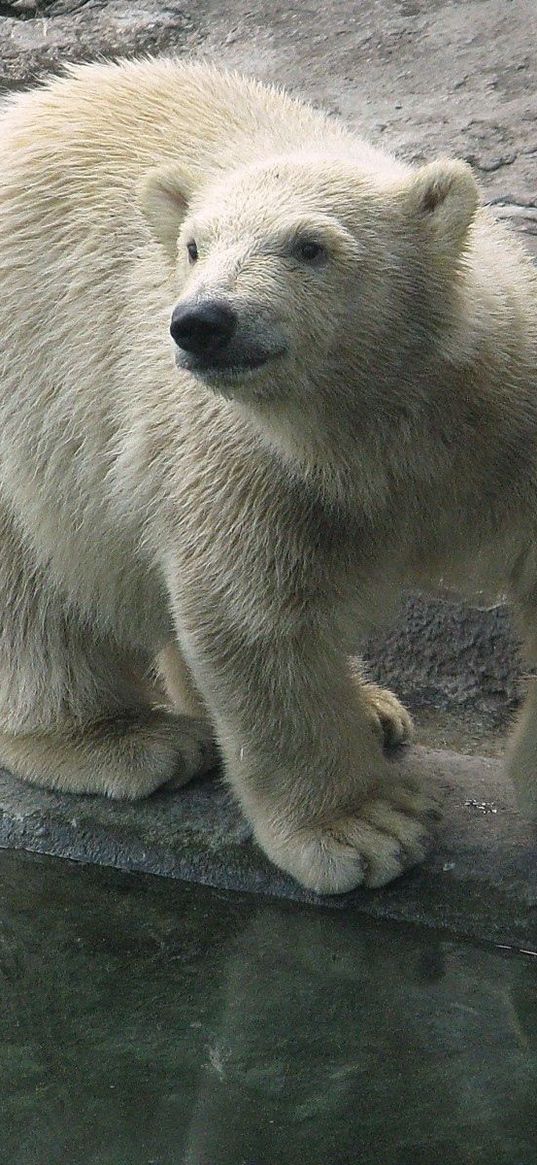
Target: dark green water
{"type": "Point", "coordinates": [145, 1022]}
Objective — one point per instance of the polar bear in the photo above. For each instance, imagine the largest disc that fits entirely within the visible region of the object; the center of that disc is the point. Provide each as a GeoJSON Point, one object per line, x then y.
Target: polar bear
{"type": "Point", "coordinates": [347, 404]}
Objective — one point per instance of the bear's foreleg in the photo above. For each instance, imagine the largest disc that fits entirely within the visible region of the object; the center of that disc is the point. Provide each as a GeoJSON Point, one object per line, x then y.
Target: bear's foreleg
{"type": "Point", "coordinates": [294, 727]}
{"type": "Point", "coordinates": [388, 716]}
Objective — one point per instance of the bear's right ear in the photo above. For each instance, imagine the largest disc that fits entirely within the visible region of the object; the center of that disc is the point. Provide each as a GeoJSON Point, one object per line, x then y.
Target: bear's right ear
{"type": "Point", "coordinates": [163, 196]}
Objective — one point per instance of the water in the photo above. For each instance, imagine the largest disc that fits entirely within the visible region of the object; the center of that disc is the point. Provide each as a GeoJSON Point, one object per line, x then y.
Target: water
{"type": "Point", "coordinates": [147, 1022]}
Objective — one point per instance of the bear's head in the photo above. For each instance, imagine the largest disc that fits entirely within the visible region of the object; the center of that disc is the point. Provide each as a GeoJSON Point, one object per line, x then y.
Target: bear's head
{"type": "Point", "coordinates": [303, 272]}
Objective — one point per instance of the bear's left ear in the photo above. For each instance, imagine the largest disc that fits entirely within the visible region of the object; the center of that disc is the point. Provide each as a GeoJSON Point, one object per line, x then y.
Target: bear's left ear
{"type": "Point", "coordinates": [444, 197]}
{"type": "Point", "coordinates": [163, 196]}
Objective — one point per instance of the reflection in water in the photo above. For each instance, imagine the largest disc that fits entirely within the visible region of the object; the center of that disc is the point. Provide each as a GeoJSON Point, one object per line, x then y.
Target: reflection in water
{"type": "Point", "coordinates": [145, 1022]}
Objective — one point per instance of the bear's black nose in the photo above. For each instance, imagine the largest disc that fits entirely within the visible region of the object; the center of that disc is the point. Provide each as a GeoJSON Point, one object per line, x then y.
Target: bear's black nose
{"type": "Point", "coordinates": [203, 328]}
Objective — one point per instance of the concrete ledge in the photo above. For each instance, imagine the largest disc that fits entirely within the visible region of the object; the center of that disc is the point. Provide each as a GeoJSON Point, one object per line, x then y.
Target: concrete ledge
{"type": "Point", "coordinates": [480, 881]}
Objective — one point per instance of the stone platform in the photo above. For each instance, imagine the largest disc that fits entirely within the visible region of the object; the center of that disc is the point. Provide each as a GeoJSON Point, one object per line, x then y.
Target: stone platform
{"type": "Point", "coordinates": [480, 879]}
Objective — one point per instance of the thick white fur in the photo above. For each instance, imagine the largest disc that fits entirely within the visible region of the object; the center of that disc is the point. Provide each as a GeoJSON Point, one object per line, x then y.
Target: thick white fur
{"type": "Point", "coordinates": [244, 529]}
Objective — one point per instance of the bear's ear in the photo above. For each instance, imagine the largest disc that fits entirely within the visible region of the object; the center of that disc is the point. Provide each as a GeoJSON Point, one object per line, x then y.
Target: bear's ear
{"type": "Point", "coordinates": [444, 197]}
{"type": "Point", "coordinates": [163, 196]}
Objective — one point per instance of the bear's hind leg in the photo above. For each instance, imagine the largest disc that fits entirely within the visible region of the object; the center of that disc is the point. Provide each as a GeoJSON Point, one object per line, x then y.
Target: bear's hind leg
{"type": "Point", "coordinates": [78, 711]}
{"type": "Point", "coordinates": [126, 756]}
{"type": "Point", "coordinates": [179, 682]}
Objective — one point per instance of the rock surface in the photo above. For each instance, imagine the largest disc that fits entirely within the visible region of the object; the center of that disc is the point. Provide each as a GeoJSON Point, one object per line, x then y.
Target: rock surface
{"type": "Point", "coordinates": [480, 879]}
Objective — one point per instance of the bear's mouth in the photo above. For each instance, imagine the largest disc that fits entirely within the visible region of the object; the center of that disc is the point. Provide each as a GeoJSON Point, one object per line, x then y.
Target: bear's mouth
{"type": "Point", "coordinates": [221, 369]}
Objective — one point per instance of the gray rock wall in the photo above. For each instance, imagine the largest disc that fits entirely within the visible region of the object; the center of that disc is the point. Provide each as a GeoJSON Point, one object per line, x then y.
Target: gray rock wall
{"type": "Point", "coordinates": [445, 655]}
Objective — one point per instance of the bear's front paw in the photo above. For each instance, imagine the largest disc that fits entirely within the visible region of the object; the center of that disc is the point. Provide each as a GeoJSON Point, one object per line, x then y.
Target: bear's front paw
{"type": "Point", "coordinates": [389, 834]}
{"type": "Point", "coordinates": [388, 716]}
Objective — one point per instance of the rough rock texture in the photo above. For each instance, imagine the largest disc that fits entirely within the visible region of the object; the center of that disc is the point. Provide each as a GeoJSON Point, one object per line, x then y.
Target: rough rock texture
{"type": "Point", "coordinates": [444, 655]}
{"type": "Point", "coordinates": [480, 880]}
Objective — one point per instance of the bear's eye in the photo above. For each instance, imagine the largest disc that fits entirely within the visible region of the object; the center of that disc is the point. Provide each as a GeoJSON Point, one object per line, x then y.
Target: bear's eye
{"type": "Point", "coordinates": [309, 251]}
{"type": "Point", "coordinates": [192, 251]}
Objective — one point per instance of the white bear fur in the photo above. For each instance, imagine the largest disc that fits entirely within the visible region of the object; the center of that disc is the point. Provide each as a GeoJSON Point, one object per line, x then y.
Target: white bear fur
{"type": "Point", "coordinates": [246, 529]}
